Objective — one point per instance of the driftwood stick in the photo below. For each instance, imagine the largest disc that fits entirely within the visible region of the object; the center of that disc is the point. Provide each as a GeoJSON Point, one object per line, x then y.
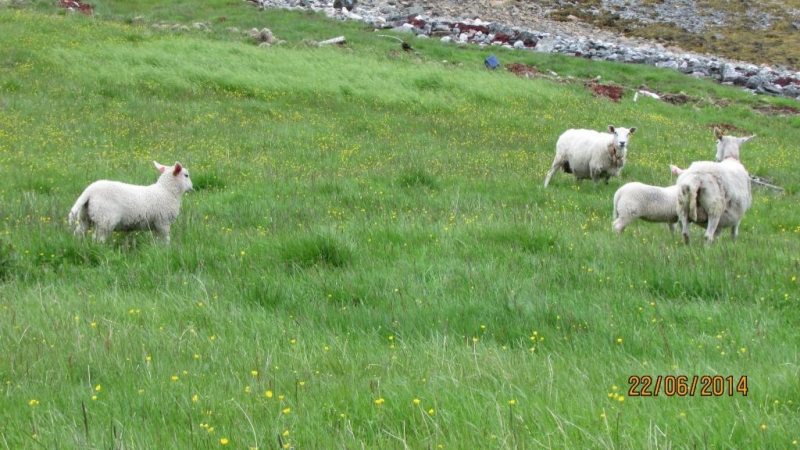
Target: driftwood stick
{"type": "Point", "coordinates": [757, 180]}
{"type": "Point", "coordinates": [336, 40]}
{"type": "Point", "coordinates": [393, 37]}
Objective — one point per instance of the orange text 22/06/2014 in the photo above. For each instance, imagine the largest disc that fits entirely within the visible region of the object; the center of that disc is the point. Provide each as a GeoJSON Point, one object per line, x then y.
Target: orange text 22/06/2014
{"type": "Point", "coordinates": [684, 385]}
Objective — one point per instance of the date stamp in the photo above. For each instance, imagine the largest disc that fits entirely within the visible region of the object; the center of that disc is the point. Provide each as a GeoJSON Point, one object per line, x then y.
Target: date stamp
{"type": "Point", "coordinates": [683, 385]}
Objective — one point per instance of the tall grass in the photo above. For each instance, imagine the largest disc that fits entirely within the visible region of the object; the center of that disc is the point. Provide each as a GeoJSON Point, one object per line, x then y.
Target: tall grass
{"type": "Point", "coordinates": [369, 258]}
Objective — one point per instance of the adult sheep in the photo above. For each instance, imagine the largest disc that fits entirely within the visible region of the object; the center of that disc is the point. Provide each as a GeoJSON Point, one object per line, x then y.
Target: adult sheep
{"type": "Point", "coordinates": [591, 154]}
{"type": "Point", "coordinates": [720, 189]}
{"type": "Point", "coordinates": [113, 206]}
{"type": "Point", "coordinates": [650, 203]}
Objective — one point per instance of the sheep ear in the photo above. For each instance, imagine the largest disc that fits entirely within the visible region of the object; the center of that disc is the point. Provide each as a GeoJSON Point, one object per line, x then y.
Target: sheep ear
{"type": "Point", "coordinates": [675, 169]}
{"type": "Point", "coordinates": [745, 139]}
{"type": "Point", "coordinates": [632, 130]}
{"type": "Point", "coordinates": [160, 167]}
{"type": "Point", "coordinates": [718, 133]}
{"type": "Point", "coordinates": [177, 169]}
{"type": "Point", "coordinates": [612, 129]}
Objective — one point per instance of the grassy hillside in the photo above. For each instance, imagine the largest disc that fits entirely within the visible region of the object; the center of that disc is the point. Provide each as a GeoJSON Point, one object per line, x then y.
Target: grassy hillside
{"type": "Point", "coordinates": [369, 259]}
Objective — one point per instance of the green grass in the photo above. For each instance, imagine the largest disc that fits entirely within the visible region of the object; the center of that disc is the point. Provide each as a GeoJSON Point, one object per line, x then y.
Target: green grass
{"type": "Point", "coordinates": [369, 259]}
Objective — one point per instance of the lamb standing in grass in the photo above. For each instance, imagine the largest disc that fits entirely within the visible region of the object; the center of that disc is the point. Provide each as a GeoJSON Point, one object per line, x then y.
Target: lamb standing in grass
{"type": "Point", "coordinates": [591, 154]}
{"type": "Point", "coordinates": [650, 203]}
{"type": "Point", "coordinates": [113, 206]}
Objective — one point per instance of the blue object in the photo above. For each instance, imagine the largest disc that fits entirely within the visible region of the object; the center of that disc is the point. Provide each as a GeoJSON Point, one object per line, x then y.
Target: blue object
{"type": "Point", "coordinates": [491, 62]}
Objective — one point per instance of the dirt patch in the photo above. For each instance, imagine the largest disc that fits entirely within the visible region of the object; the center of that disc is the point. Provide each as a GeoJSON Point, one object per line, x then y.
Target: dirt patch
{"type": "Point", "coordinates": [72, 5]}
{"type": "Point", "coordinates": [775, 110]}
{"type": "Point", "coordinates": [677, 99]}
{"type": "Point", "coordinates": [605, 90]}
{"type": "Point", "coordinates": [523, 70]}
{"type": "Point", "coordinates": [727, 128]}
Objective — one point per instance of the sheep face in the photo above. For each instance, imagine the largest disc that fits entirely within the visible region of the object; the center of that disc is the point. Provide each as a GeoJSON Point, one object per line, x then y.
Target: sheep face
{"type": "Point", "coordinates": [621, 137]}
{"type": "Point", "coordinates": [177, 175]}
{"type": "Point", "coordinates": [728, 146]}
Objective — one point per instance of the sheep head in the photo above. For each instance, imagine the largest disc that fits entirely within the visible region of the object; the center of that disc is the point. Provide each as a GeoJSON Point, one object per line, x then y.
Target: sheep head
{"type": "Point", "coordinates": [177, 173]}
{"type": "Point", "coordinates": [619, 145]}
{"type": "Point", "coordinates": [728, 146]}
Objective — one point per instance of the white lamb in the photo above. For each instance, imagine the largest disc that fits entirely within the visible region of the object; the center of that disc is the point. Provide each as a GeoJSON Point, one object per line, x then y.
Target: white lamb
{"type": "Point", "coordinates": [650, 203]}
{"type": "Point", "coordinates": [728, 146]}
{"type": "Point", "coordinates": [591, 154]}
{"type": "Point", "coordinates": [113, 206]}
{"type": "Point", "coordinates": [720, 189]}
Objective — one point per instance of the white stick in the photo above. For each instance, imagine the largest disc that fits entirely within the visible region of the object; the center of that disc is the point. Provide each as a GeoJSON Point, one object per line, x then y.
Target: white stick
{"type": "Point", "coordinates": [336, 40]}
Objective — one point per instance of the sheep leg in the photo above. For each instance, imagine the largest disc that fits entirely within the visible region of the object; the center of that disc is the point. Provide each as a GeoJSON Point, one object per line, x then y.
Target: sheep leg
{"type": "Point", "coordinates": [81, 227]}
{"type": "Point", "coordinates": [79, 221]}
{"type": "Point", "coordinates": [102, 232]}
{"type": "Point", "coordinates": [685, 228]}
{"type": "Point", "coordinates": [596, 175]}
{"type": "Point", "coordinates": [593, 175]}
{"type": "Point", "coordinates": [557, 164]}
{"type": "Point", "coordinates": [735, 231]}
{"type": "Point", "coordinates": [671, 226]}
{"type": "Point", "coordinates": [163, 233]}
{"type": "Point", "coordinates": [711, 229]}
{"type": "Point", "coordinates": [620, 224]}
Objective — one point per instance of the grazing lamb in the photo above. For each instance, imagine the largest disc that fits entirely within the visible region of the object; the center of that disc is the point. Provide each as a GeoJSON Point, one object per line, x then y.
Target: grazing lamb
{"type": "Point", "coordinates": [720, 189]}
{"type": "Point", "coordinates": [650, 203]}
{"type": "Point", "coordinates": [728, 146]}
{"type": "Point", "coordinates": [113, 206]}
{"type": "Point", "coordinates": [591, 154]}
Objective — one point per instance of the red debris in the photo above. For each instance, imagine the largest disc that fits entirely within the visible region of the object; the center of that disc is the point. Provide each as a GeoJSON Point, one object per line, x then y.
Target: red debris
{"type": "Point", "coordinates": [522, 69]}
{"type": "Point", "coordinates": [603, 90]}
{"type": "Point", "coordinates": [74, 5]}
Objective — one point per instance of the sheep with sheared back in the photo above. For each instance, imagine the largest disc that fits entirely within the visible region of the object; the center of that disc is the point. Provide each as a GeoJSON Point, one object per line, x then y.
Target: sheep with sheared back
{"type": "Point", "coordinates": [591, 154]}
{"type": "Point", "coordinates": [720, 189]}
{"type": "Point", "coordinates": [650, 203]}
{"type": "Point", "coordinates": [110, 206]}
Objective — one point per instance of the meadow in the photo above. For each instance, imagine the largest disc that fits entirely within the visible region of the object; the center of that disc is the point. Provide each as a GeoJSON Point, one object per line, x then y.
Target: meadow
{"type": "Point", "coordinates": [369, 259]}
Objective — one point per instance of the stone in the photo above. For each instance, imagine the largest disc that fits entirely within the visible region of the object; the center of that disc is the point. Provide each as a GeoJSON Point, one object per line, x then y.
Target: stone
{"type": "Point", "coordinates": [346, 4]}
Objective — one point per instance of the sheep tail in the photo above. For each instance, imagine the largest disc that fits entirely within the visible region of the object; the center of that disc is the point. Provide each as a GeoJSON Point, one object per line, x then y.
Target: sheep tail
{"type": "Point", "coordinates": [693, 202]}
{"type": "Point", "coordinates": [77, 214]}
{"type": "Point", "coordinates": [688, 203]}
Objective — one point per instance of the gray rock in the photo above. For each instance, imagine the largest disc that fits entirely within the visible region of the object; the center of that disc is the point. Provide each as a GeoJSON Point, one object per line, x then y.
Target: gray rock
{"type": "Point", "coordinates": [755, 82]}
{"type": "Point", "coordinates": [668, 65]}
{"type": "Point", "coordinates": [730, 74]}
{"type": "Point", "coordinates": [528, 37]}
{"type": "Point", "coordinates": [346, 4]}
{"type": "Point", "coordinates": [769, 89]}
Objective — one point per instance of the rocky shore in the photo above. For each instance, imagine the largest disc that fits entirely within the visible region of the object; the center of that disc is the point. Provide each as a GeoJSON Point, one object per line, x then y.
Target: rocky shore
{"type": "Point", "coordinates": [525, 26]}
